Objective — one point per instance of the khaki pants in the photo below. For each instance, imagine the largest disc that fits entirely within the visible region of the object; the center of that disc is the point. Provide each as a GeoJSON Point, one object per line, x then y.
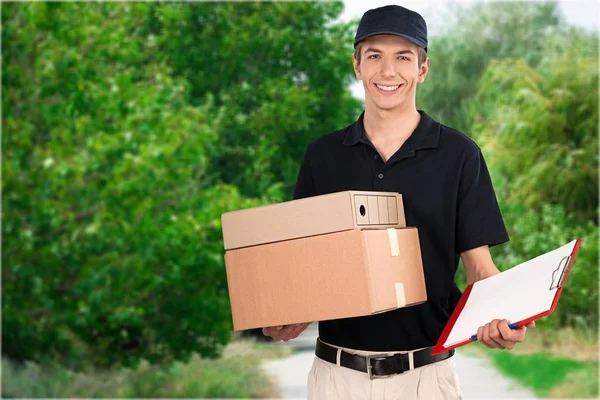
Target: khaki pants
{"type": "Point", "coordinates": [327, 381]}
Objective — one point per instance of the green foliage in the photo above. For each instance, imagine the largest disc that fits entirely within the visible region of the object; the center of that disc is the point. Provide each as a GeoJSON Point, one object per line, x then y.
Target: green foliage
{"type": "Point", "coordinates": [535, 232]}
{"type": "Point", "coordinates": [539, 128]}
{"type": "Point", "coordinates": [279, 71]}
{"type": "Point", "coordinates": [125, 126]}
{"type": "Point", "coordinates": [480, 34]}
{"type": "Point", "coordinates": [237, 375]}
{"type": "Point", "coordinates": [523, 85]}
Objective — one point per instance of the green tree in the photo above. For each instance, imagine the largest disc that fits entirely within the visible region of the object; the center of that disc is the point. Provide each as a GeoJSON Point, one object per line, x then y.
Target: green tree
{"type": "Point", "coordinates": [540, 128]}
{"type": "Point", "coordinates": [281, 71]}
{"type": "Point", "coordinates": [126, 127]}
{"type": "Point", "coordinates": [479, 34]}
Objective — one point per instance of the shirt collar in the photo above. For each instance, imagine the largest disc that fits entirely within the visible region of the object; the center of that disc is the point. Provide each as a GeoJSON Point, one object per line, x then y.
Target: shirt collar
{"type": "Point", "coordinates": [425, 136]}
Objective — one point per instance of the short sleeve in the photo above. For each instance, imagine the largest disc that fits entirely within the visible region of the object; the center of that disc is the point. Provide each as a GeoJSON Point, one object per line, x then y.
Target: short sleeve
{"type": "Point", "coordinates": [305, 186]}
{"type": "Point", "coordinates": [479, 220]}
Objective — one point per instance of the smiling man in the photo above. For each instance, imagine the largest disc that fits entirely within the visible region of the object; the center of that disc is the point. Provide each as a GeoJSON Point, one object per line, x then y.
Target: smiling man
{"type": "Point", "coordinates": [448, 196]}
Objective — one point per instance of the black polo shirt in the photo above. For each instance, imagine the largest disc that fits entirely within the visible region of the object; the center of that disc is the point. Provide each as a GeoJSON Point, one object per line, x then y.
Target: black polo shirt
{"type": "Point", "coordinates": [447, 194]}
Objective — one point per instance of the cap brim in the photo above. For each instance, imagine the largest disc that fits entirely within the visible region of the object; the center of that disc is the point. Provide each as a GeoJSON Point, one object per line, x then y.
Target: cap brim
{"type": "Point", "coordinates": [416, 41]}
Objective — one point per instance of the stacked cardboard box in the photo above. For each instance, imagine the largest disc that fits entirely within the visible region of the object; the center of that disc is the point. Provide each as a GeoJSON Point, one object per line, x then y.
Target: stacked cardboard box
{"type": "Point", "coordinates": [339, 255]}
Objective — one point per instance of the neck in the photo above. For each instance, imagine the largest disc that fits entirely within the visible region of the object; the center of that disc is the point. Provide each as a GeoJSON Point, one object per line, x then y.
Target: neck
{"type": "Point", "coordinates": [390, 124]}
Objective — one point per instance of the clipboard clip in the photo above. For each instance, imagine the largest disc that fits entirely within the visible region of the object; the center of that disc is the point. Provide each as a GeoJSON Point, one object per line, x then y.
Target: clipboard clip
{"type": "Point", "coordinates": [560, 273]}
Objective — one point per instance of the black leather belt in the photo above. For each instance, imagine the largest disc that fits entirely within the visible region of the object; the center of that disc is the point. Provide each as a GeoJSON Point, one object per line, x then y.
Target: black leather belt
{"type": "Point", "coordinates": [380, 365]}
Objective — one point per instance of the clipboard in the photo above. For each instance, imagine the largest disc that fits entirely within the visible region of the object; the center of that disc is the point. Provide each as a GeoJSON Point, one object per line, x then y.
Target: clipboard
{"type": "Point", "coordinates": [524, 293]}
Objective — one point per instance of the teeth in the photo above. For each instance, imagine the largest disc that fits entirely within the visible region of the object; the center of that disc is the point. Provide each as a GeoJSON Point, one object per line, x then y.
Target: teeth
{"type": "Point", "coordinates": [388, 88]}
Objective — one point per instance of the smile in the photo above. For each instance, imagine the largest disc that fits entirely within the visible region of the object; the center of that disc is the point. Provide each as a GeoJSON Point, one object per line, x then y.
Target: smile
{"type": "Point", "coordinates": [388, 89]}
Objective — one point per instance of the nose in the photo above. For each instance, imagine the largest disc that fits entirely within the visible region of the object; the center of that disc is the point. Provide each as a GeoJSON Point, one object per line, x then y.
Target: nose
{"type": "Point", "coordinates": [387, 68]}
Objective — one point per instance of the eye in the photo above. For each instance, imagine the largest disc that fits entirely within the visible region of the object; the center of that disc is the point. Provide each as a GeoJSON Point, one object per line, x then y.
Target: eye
{"type": "Point", "coordinates": [404, 58]}
{"type": "Point", "coordinates": [373, 56]}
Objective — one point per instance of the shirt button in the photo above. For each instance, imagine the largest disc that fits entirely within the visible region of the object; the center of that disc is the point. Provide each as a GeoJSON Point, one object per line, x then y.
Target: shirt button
{"type": "Point", "coordinates": [376, 156]}
{"type": "Point", "coordinates": [380, 176]}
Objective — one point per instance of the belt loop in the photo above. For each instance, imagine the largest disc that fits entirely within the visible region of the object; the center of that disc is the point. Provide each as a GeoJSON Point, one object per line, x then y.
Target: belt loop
{"type": "Point", "coordinates": [338, 357]}
{"type": "Point", "coordinates": [411, 360]}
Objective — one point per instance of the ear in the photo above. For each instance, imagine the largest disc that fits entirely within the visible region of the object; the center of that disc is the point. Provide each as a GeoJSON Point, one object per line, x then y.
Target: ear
{"type": "Point", "coordinates": [356, 68]}
{"type": "Point", "coordinates": [424, 70]}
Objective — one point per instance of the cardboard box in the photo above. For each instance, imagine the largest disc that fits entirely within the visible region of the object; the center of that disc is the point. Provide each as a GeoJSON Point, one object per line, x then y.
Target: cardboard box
{"type": "Point", "coordinates": [311, 216]}
{"type": "Point", "coordinates": [337, 275]}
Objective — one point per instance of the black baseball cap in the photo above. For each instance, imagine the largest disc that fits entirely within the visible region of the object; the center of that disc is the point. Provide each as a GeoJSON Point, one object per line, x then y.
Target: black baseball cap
{"type": "Point", "coordinates": [393, 20]}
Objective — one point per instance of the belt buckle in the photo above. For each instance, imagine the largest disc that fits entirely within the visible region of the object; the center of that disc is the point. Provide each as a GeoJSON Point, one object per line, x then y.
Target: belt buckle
{"type": "Point", "coordinates": [370, 367]}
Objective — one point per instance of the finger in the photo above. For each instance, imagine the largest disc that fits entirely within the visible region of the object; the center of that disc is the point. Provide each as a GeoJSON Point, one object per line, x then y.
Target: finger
{"type": "Point", "coordinates": [293, 333]}
{"type": "Point", "coordinates": [506, 335]}
{"type": "Point", "coordinates": [301, 328]}
{"type": "Point", "coordinates": [274, 332]}
{"type": "Point", "coordinates": [530, 324]}
{"type": "Point", "coordinates": [273, 329]}
{"type": "Point", "coordinates": [284, 332]}
{"type": "Point", "coordinates": [288, 334]}
{"type": "Point", "coordinates": [505, 331]}
{"type": "Point", "coordinates": [480, 334]}
{"type": "Point", "coordinates": [512, 335]}
{"type": "Point", "coordinates": [487, 339]}
{"type": "Point", "coordinates": [268, 330]}
{"type": "Point", "coordinates": [485, 336]}
{"type": "Point", "coordinates": [496, 334]}
{"type": "Point", "coordinates": [519, 333]}
{"type": "Point", "coordinates": [297, 329]}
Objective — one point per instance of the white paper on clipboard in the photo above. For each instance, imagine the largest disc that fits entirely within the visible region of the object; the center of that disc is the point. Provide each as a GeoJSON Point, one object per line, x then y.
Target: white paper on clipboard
{"type": "Point", "coordinates": [517, 294]}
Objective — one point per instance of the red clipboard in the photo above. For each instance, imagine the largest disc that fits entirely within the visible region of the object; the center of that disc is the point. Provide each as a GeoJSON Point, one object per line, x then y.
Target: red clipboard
{"type": "Point", "coordinates": [558, 278]}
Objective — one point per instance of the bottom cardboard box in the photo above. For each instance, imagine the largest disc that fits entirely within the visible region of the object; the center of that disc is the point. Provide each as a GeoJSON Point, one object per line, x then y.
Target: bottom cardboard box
{"type": "Point", "coordinates": [337, 275]}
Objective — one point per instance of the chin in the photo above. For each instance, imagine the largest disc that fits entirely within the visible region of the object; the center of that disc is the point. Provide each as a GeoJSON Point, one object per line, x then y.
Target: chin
{"type": "Point", "coordinates": [387, 103]}
{"type": "Point", "coordinates": [388, 106]}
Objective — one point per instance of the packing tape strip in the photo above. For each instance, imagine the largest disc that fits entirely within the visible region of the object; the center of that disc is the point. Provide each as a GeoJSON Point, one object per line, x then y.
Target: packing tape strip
{"type": "Point", "coordinates": [400, 296]}
{"type": "Point", "coordinates": [393, 237]}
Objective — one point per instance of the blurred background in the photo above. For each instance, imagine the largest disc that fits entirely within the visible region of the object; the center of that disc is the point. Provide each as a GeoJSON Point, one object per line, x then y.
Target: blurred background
{"type": "Point", "coordinates": [129, 128]}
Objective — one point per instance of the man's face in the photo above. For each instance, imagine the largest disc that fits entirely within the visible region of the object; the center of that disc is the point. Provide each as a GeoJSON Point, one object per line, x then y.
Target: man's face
{"type": "Point", "coordinates": [390, 71]}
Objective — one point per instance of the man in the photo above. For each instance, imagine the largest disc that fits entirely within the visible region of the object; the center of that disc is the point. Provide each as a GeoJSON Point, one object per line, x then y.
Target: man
{"type": "Point", "coordinates": [448, 196]}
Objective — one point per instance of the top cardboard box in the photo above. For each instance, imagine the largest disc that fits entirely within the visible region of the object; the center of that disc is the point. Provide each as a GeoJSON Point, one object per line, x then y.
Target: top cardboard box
{"type": "Point", "coordinates": [329, 213]}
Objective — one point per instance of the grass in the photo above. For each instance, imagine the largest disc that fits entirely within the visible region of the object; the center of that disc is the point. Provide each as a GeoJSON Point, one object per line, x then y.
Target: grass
{"type": "Point", "coordinates": [576, 344]}
{"type": "Point", "coordinates": [541, 372]}
{"type": "Point", "coordinates": [578, 384]}
{"type": "Point", "coordinates": [237, 374]}
{"type": "Point", "coordinates": [553, 363]}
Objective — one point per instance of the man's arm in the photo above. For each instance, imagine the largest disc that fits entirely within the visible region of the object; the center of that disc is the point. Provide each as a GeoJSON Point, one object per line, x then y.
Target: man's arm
{"type": "Point", "coordinates": [479, 265]}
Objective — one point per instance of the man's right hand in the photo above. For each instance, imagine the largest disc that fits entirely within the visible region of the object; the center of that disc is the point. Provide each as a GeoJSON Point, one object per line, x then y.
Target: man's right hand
{"type": "Point", "coordinates": [285, 332]}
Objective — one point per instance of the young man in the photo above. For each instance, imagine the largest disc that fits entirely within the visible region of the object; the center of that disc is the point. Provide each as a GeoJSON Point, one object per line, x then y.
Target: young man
{"type": "Point", "coordinates": [448, 196]}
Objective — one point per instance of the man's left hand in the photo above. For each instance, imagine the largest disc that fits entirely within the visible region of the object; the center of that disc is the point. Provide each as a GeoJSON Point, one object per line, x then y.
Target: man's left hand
{"type": "Point", "coordinates": [497, 334]}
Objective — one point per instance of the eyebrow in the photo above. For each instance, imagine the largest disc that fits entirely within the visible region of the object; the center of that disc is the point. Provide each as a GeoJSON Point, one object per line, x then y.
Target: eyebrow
{"type": "Point", "coordinates": [370, 49]}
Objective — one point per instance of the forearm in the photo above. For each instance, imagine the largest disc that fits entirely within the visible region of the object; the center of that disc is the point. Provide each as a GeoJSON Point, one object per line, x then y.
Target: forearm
{"type": "Point", "coordinates": [478, 264]}
{"type": "Point", "coordinates": [482, 273]}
